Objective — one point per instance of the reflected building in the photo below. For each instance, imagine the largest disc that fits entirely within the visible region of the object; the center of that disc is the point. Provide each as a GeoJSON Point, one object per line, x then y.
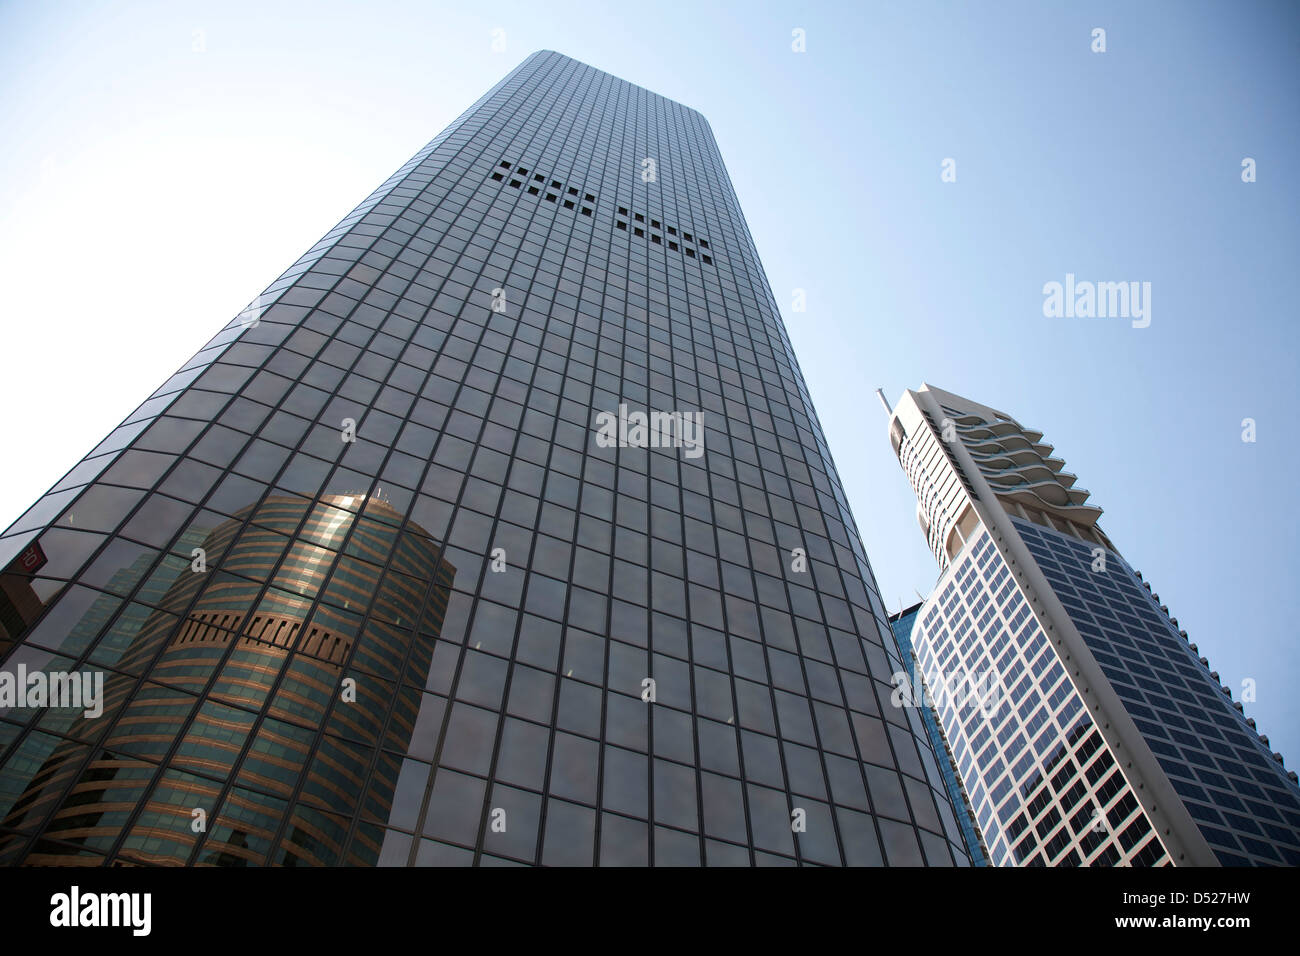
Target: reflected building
{"type": "Point", "coordinates": [19, 603]}
{"type": "Point", "coordinates": [571, 647]}
{"type": "Point", "coordinates": [238, 693]}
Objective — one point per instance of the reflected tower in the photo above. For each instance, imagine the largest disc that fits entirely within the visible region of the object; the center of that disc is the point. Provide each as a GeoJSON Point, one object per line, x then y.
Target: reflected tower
{"type": "Point", "coordinates": [228, 686]}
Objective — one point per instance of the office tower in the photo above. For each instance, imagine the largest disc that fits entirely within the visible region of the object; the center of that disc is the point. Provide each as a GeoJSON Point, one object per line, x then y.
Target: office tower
{"type": "Point", "coordinates": [500, 529]}
{"type": "Point", "coordinates": [1085, 729]}
{"type": "Point", "coordinates": [910, 691]}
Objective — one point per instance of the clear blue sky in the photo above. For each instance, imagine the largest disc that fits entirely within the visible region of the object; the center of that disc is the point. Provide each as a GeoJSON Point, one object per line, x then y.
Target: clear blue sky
{"type": "Point", "coordinates": [164, 162]}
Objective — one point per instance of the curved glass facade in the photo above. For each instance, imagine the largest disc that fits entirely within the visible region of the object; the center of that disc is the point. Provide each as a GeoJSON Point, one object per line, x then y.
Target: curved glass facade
{"type": "Point", "coordinates": [374, 579]}
{"type": "Point", "coordinates": [233, 687]}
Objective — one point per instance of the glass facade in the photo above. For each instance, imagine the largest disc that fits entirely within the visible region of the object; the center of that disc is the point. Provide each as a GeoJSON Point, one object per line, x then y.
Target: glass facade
{"type": "Point", "coordinates": [1047, 790]}
{"type": "Point", "coordinates": [1240, 798]}
{"type": "Point", "coordinates": [369, 580]}
{"type": "Point", "coordinates": [902, 624]}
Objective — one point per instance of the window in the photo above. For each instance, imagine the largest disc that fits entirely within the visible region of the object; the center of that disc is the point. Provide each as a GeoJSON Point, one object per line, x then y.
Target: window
{"type": "Point", "coordinates": [475, 419]}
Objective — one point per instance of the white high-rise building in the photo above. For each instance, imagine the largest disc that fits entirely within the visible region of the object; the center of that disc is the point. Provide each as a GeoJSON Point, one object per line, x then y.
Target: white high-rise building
{"type": "Point", "coordinates": [1086, 730]}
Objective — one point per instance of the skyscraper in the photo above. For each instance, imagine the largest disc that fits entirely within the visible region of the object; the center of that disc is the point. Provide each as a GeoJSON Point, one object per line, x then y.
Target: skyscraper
{"type": "Point", "coordinates": [500, 529]}
{"type": "Point", "coordinates": [910, 690]}
{"type": "Point", "coordinates": [1094, 734]}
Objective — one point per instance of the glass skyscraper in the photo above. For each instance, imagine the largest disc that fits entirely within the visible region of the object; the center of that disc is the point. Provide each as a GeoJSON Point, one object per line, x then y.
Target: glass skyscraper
{"type": "Point", "coordinates": [500, 529]}
{"type": "Point", "coordinates": [1097, 736]}
{"type": "Point", "coordinates": [910, 690]}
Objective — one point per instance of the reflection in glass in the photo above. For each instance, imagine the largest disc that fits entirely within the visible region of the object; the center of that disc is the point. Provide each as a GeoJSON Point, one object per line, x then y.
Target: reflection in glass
{"type": "Point", "coordinates": [271, 665]}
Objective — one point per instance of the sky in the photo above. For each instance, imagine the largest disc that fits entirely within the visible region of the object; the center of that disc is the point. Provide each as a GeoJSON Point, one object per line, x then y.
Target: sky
{"type": "Point", "coordinates": [164, 162]}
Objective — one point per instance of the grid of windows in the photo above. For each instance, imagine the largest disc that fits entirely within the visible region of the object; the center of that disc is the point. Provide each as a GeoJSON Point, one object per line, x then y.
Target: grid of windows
{"type": "Point", "coordinates": [389, 465]}
{"type": "Point", "coordinates": [1046, 789]}
{"type": "Point", "coordinates": [902, 625]}
{"type": "Point", "coordinates": [940, 494]}
{"type": "Point", "coordinates": [1241, 799]}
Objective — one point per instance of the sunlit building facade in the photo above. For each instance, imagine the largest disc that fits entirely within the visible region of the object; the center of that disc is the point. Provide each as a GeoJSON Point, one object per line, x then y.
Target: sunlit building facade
{"type": "Point", "coordinates": [369, 583]}
{"type": "Point", "coordinates": [911, 691]}
{"type": "Point", "coordinates": [1098, 737]}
